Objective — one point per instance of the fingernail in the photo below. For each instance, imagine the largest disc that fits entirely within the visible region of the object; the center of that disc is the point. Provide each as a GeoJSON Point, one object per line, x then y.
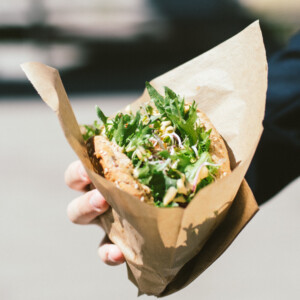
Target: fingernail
{"type": "Point", "coordinates": [114, 255]}
{"type": "Point", "coordinates": [96, 201]}
{"type": "Point", "coordinates": [82, 172]}
{"type": "Point", "coordinates": [111, 259]}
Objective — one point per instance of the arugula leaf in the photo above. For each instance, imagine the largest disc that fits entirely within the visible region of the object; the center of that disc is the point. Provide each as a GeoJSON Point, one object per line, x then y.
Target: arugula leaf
{"type": "Point", "coordinates": [186, 127]}
{"type": "Point", "coordinates": [170, 93]}
{"type": "Point", "coordinates": [191, 170]}
{"type": "Point", "coordinates": [156, 177]}
{"type": "Point", "coordinates": [204, 182]}
{"type": "Point", "coordinates": [164, 154]}
{"type": "Point", "coordinates": [184, 158]}
{"type": "Point", "coordinates": [123, 127]}
{"type": "Point", "coordinates": [101, 115]}
{"type": "Point", "coordinates": [119, 132]}
{"type": "Point", "coordinates": [173, 107]}
{"type": "Point", "coordinates": [204, 140]}
{"type": "Point", "coordinates": [91, 130]}
{"type": "Point", "coordinates": [156, 97]}
{"type": "Point", "coordinates": [140, 137]}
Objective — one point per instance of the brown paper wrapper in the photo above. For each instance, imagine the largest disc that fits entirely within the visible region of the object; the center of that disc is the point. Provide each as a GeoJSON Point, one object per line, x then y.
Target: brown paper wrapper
{"type": "Point", "coordinates": [167, 248]}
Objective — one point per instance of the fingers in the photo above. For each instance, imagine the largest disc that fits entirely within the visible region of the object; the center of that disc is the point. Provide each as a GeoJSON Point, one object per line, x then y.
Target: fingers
{"type": "Point", "coordinates": [110, 253]}
{"type": "Point", "coordinates": [85, 208]}
{"type": "Point", "coordinates": [76, 176]}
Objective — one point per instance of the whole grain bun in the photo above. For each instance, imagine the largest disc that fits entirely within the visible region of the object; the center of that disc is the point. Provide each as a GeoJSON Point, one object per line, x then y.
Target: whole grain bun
{"type": "Point", "coordinates": [109, 161]}
{"type": "Point", "coordinates": [218, 148]}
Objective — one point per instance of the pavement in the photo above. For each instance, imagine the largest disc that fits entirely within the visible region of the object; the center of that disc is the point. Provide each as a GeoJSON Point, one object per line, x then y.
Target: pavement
{"type": "Point", "coordinates": [44, 256]}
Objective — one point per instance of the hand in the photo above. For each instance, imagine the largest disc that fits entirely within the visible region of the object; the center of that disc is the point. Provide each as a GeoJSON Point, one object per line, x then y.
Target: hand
{"type": "Point", "coordinates": [85, 208]}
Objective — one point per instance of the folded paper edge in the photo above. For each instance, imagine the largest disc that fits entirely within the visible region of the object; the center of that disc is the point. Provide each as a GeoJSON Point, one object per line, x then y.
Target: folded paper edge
{"type": "Point", "coordinates": [243, 203]}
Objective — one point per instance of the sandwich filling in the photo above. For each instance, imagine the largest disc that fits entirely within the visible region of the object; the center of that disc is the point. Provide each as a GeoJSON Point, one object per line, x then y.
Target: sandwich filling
{"type": "Point", "coordinates": [163, 154]}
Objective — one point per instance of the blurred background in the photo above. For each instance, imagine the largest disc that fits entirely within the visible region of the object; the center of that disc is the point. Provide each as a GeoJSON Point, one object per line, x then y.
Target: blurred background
{"type": "Point", "coordinates": [114, 45]}
{"type": "Point", "coordinates": [105, 51]}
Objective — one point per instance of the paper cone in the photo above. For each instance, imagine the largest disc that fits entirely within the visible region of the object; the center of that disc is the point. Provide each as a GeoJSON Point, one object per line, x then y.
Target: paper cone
{"type": "Point", "coordinates": [166, 248]}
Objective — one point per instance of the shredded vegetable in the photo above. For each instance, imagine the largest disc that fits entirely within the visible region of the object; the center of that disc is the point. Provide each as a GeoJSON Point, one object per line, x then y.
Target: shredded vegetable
{"type": "Point", "coordinates": [168, 146]}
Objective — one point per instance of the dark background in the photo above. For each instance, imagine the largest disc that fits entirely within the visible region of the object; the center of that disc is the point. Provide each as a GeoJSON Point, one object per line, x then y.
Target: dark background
{"type": "Point", "coordinates": [115, 46]}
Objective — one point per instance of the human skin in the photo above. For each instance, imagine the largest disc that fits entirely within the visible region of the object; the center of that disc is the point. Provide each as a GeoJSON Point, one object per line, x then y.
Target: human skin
{"type": "Point", "coordinates": [87, 207]}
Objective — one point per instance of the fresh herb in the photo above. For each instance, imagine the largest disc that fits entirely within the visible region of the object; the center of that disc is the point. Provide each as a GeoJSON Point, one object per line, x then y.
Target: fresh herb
{"type": "Point", "coordinates": [90, 131]}
{"type": "Point", "coordinates": [172, 107]}
{"type": "Point", "coordinates": [101, 115]}
{"type": "Point", "coordinates": [164, 142]}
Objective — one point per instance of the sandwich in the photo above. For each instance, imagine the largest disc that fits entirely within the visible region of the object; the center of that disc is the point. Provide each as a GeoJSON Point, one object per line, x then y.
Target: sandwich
{"type": "Point", "coordinates": [163, 154]}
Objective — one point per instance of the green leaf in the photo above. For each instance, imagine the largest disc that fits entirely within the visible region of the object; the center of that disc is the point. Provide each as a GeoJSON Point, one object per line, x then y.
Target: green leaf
{"type": "Point", "coordinates": [204, 182]}
{"type": "Point", "coordinates": [191, 170]}
{"type": "Point", "coordinates": [156, 97]}
{"type": "Point", "coordinates": [119, 133]}
{"type": "Point", "coordinates": [164, 154]}
{"type": "Point", "coordinates": [156, 177]}
{"type": "Point", "coordinates": [101, 115]}
{"type": "Point", "coordinates": [204, 140]}
{"type": "Point", "coordinates": [90, 131]}
{"type": "Point", "coordinates": [170, 93]}
{"type": "Point", "coordinates": [123, 127]}
{"type": "Point", "coordinates": [184, 158]}
{"type": "Point", "coordinates": [173, 108]}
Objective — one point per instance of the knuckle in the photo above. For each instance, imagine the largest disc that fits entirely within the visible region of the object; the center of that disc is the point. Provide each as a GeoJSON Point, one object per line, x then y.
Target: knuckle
{"type": "Point", "coordinates": [76, 176]}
